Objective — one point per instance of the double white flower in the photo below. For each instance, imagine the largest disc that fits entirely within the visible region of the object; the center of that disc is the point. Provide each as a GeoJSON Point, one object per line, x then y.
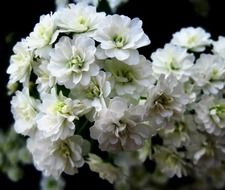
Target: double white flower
{"type": "Point", "coordinates": [73, 61]}
{"type": "Point", "coordinates": [119, 38]}
{"type": "Point", "coordinates": [79, 19]}
{"type": "Point", "coordinates": [25, 110]}
{"type": "Point", "coordinates": [208, 73]}
{"type": "Point", "coordinates": [194, 39]}
{"type": "Point", "coordinates": [20, 63]}
{"type": "Point", "coordinates": [56, 116]}
{"type": "Point", "coordinates": [166, 100]}
{"type": "Point", "coordinates": [53, 158]}
{"type": "Point", "coordinates": [172, 60]}
{"type": "Point", "coordinates": [120, 127]}
{"type": "Point", "coordinates": [130, 80]}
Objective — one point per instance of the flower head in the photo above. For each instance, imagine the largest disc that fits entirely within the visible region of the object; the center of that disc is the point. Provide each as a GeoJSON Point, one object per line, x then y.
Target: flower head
{"type": "Point", "coordinates": [25, 110]}
{"type": "Point", "coordinates": [172, 60]}
{"type": "Point", "coordinates": [195, 39]}
{"type": "Point", "coordinates": [72, 61]}
{"type": "Point", "coordinates": [20, 63]}
{"type": "Point", "coordinates": [130, 80]}
{"type": "Point", "coordinates": [43, 33]}
{"type": "Point", "coordinates": [79, 19]}
{"type": "Point", "coordinates": [119, 127]}
{"type": "Point", "coordinates": [119, 38]}
{"type": "Point", "coordinates": [56, 116]}
{"type": "Point", "coordinates": [208, 73]}
{"type": "Point", "coordinates": [53, 158]}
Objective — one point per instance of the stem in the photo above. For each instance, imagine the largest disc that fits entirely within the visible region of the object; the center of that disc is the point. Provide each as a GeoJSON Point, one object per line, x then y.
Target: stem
{"type": "Point", "coordinates": [82, 127]}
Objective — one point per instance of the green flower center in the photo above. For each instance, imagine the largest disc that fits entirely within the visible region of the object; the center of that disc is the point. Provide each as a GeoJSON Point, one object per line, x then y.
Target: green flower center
{"type": "Point", "coordinates": [75, 62]}
{"type": "Point", "coordinates": [124, 76]}
{"type": "Point", "coordinates": [192, 40]}
{"type": "Point", "coordinates": [84, 23]}
{"type": "Point", "coordinates": [172, 64]}
{"type": "Point", "coordinates": [119, 41]}
{"type": "Point", "coordinates": [63, 149]}
{"type": "Point", "coordinates": [62, 108]}
{"type": "Point", "coordinates": [219, 110]}
{"type": "Point", "coordinates": [214, 75]}
{"type": "Point", "coordinates": [93, 90]}
{"type": "Point", "coordinates": [44, 33]}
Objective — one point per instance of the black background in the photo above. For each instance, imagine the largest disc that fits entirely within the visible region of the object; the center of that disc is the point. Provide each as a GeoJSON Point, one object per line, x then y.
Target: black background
{"type": "Point", "coordinates": [161, 18]}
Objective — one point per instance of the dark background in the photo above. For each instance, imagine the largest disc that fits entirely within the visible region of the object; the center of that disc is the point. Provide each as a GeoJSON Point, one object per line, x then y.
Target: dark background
{"type": "Point", "coordinates": [161, 18]}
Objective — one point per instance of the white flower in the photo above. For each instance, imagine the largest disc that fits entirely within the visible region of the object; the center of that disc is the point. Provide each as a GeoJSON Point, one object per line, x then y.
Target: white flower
{"type": "Point", "coordinates": [106, 170]}
{"type": "Point", "coordinates": [119, 127]}
{"type": "Point", "coordinates": [179, 133]}
{"type": "Point", "coordinates": [79, 19]}
{"type": "Point", "coordinates": [172, 60]}
{"type": "Point", "coordinates": [45, 80]}
{"type": "Point", "coordinates": [119, 37]}
{"type": "Point", "coordinates": [43, 33]}
{"type": "Point", "coordinates": [170, 162]}
{"type": "Point", "coordinates": [94, 94]}
{"type": "Point", "coordinates": [166, 100]}
{"type": "Point", "coordinates": [195, 39]}
{"type": "Point", "coordinates": [211, 113]}
{"type": "Point", "coordinates": [56, 116]}
{"type": "Point", "coordinates": [20, 63]}
{"type": "Point", "coordinates": [24, 109]}
{"type": "Point", "coordinates": [53, 158]}
{"type": "Point", "coordinates": [219, 46]}
{"type": "Point", "coordinates": [132, 80]}
{"type": "Point", "coordinates": [208, 73]}
{"type": "Point", "coordinates": [72, 61]}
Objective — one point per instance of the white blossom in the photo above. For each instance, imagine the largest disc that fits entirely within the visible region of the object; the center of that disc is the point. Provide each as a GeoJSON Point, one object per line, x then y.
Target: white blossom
{"type": "Point", "coordinates": [53, 158]}
{"type": "Point", "coordinates": [106, 170]}
{"type": "Point", "coordinates": [20, 63]}
{"type": "Point", "coordinates": [132, 80]}
{"type": "Point", "coordinates": [172, 60]}
{"type": "Point", "coordinates": [195, 39]}
{"type": "Point", "coordinates": [120, 127]}
{"type": "Point", "coordinates": [25, 110]}
{"type": "Point", "coordinates": [219, 46]}
{"type": "Point", "coordinates": [208, 73]}
{"type": "Point", "coordinates": [94, 94]}
{"type": "Point", "coordinates": [45, 81]}
{"type": "Point", "coordinates": [79, 18]}
{"type": "Point", "coordinates": [179, 133]}
{"type": "Point", "coordinates": [170, 162]}
{"type": "Point", "coordinates": [211, 113]}
{"type": "Point", "coordinates": [43, 33]}
{"type": "Point", "coordinates": [119, 38]}
{"type": "Point", "coordinates": [56, 116]}
{"type": "Point", "coordinates": [166, 100]}
{"type": "Point", "coordinates": [73, 61]}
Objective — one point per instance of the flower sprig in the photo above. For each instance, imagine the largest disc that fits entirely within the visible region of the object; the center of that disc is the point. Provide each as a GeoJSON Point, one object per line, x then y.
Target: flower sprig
{"type": "Point", "coordinates": [88, 75]}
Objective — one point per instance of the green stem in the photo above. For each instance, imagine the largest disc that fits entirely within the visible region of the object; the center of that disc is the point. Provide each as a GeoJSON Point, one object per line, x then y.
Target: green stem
{"type": "Point", "coordinates": [82, 127]}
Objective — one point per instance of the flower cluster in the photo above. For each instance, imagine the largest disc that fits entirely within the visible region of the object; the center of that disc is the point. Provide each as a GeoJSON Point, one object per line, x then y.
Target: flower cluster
{"type": "Point", "coordinates": [81, 71]}
{"type": "Point", "coordinates": [82, 67]}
